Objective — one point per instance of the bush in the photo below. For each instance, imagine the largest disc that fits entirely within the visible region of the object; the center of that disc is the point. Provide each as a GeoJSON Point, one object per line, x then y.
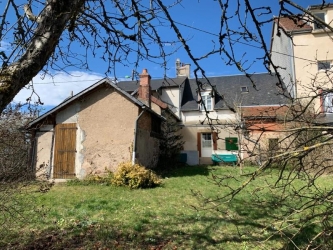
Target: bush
{"type": "Point", "coordinates": [135, 176]}
{"type": "Point", "coordinates": [171, 143]}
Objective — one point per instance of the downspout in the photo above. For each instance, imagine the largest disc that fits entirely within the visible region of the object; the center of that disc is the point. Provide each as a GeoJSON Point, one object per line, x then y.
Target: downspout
{"type": "Point", "coordinates": [51, 155]}
{"type": "Point", "coordinates": [32, 150]}
{"type": "Point", "coordinates": [135, 134]}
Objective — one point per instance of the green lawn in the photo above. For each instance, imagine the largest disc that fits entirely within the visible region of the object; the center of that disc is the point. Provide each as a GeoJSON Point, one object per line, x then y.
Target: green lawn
{"type": "Point", "coordinates": [172, 216]}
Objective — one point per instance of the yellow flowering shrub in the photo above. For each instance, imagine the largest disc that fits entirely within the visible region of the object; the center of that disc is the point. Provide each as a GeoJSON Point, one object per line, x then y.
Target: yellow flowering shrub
{"type": "Point", "coordinates": [135, 176]}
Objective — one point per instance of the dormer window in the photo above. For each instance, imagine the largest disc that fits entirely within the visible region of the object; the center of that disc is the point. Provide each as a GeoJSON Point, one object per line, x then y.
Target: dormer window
{"type": "Point", "coordinates": [206, 101]}
{"type": "Point", "coordinates": [321, 16]}
{"type": "Point", "coordinates": [244, 89]}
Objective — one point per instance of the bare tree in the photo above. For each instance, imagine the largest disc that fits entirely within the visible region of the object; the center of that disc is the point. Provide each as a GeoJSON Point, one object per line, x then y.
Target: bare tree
{"type": "Point", "coordinates": [17, 177]}
{"type": "Point", "coordinates": [44, 36]}
{"type": "Point", "coordinates": [46, 39]}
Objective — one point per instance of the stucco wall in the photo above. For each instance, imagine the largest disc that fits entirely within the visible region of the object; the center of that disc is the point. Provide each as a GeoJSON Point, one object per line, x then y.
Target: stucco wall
{"type": "Point", "coordinates": [69, 115]}
{"type": "Point", "coordinates": [281, 52]}
{"type": "Point", "coordinates": [310, 47]}
{"type": "Point", "coordinates": [259, 134]}
{"type": "Point", "coordinates": [43, 152]}
{"type": "Point", "coordinates": [147, 147]}
{"type": "Point", "coordinates": [189, 134]}
{"type": "Point", "coordinates": [172, 98]}
{"type": "Point", "coordinates": [106, 123]}
{"type": "Point", "coordinates": [195, 117]}
{"type": "Point", "coordinates": [298, 58]}
{"type": "Point", "coordinates": [156, 108]}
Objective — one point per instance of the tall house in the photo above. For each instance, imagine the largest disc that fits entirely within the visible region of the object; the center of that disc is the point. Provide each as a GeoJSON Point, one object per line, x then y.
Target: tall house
{"type": "Point", "coordinates": [303, 51]}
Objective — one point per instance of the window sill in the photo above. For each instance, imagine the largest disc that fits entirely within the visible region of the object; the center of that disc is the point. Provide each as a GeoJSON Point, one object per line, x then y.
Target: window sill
{"type": "Point", "coordinates": [203, 111]}
{"type": "Point", "coordinates": [320, 31]}
{"type": "Point", "coordinates": [325, 70]}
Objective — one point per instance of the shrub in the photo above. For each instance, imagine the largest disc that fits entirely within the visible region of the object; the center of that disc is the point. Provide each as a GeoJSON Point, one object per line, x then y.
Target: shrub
{"type": "Point", "coordinates": [135, 176]}
{"type": "Point", "coordinates": [171, 143]}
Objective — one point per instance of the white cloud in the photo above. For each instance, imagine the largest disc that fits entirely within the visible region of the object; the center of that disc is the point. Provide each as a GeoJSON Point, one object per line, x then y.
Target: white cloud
{"type": "Point", "coordinates": [4, 46]}
{"type": "Point", "coordinates": [53, 90]}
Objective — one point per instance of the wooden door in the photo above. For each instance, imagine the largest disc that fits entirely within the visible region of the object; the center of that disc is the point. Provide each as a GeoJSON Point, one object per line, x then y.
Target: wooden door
{"type": "Point", "coordinates": [64, 151]}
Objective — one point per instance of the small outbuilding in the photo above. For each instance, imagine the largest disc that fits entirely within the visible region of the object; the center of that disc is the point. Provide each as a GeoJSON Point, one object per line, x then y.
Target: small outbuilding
{"type": "Point", "coordinates": [95, 130]}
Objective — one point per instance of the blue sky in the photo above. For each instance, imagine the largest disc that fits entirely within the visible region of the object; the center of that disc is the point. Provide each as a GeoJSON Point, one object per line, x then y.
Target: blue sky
{"type": "Point", "coordinates": [198, 21]}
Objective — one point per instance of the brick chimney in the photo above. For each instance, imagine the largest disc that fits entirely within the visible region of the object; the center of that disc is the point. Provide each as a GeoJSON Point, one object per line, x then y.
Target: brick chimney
{"type": "Point", "coordinates": [144, 88]}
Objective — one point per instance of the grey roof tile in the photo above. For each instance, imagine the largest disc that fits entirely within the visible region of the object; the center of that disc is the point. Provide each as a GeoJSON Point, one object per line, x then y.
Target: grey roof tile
{"type": "Point", "coordinates": [130, 86]}
{"type": "Point", "coordinates": [266, 91]}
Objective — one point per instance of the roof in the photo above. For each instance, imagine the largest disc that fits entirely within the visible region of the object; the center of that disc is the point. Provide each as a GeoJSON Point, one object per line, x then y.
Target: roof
{"type": "Point", "coordinates": [85, 92]}
{"type": "Point", "coordinates": [228, 93]}
{"type": "Point", "coordinates": [320, 6]}
{"type": "Point", "coordinates": [299, 23]}
{"type": "Point", "coordinates": [293, 24]}
{"type": "Point", "coordinates": [264, 111]}
{"type": "Point", "coordinates": [155, 84]}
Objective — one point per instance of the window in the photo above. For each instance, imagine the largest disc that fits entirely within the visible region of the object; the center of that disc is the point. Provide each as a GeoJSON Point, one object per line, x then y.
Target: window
{"type": "Point", "coordinates": [273, 144]}
{"type": "Point", "coordinates": [328, 103]}
{"type": "Point", "coordinates": [244, 89]}
{"type": "Point", "coordinates": [231, 143]}
{"type": "Point", "coordinates": [324, 65]}
{"type": "Point", "coordinates": [155, 126]}
{"type": "Point", "coordinates": [206, 140]}
{"type": "Point", "coordinates": [206, 101]}
{"type": "Point", "coordinates": [320, 16]}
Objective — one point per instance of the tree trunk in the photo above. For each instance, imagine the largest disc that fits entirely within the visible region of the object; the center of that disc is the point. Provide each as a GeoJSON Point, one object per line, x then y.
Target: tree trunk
{"type": "Point", "coordinates": [51, 24]}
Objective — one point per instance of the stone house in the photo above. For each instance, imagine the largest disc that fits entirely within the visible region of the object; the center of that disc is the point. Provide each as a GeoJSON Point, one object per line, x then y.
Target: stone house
{"type": "Point", "coordinates": [97, 129]}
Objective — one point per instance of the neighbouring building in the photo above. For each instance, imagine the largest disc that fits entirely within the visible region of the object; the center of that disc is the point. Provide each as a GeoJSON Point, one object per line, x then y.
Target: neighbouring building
{"type": "Point", "coordinates": [302, 49]}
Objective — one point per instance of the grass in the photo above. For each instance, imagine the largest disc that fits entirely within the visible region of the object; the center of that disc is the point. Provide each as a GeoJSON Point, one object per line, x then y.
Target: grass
{"type": "Point", "coordinates": [173, 216]}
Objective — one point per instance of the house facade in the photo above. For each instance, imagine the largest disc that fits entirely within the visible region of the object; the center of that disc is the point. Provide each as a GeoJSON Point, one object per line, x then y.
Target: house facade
{"type": "Point", "coordinates": [95, 130]}
{"type": "Point", "coordinates": [301, 48]}
{"type": "Point", "coordinates": [210, 109]}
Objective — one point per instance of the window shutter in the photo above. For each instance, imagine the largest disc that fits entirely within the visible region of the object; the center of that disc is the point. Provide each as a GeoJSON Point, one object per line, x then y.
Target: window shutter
{"type": "Point", "coordinates": [199, 143]}
{"type": "Point", "coordinates": [231, 143]}
{"type": "Point", "coordinates": [214, 140]}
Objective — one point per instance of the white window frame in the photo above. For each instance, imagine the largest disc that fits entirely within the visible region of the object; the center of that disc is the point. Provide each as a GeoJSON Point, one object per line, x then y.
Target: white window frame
{"type": "Point", "coordinates": [244, 89]}
{"type": "Point", "coordinates": [206, 139]}
{"type": "Point", "coordinates": [315, 25]}
{"type": "Point", "coordinates": [328, 103]}
{"type": "Point", "coordinates": [206, 100]}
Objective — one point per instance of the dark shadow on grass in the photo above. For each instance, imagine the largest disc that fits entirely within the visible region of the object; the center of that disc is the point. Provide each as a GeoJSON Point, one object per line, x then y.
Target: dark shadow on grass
{"type": "Point", "coordinates": [272, 212]}
{"type": "Point", "coordinates": [239, 223]}
{"type": "Point", "coordinates": [188, 171]}
{"type": "Point", "coordinates": [213, 231]}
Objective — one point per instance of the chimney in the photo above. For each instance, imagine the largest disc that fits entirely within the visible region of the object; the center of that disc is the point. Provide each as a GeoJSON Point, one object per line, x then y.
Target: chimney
{"type": "Point", "coordinates": [182, 69]}
{"type": "Point", "coordinates": [144, 88]}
